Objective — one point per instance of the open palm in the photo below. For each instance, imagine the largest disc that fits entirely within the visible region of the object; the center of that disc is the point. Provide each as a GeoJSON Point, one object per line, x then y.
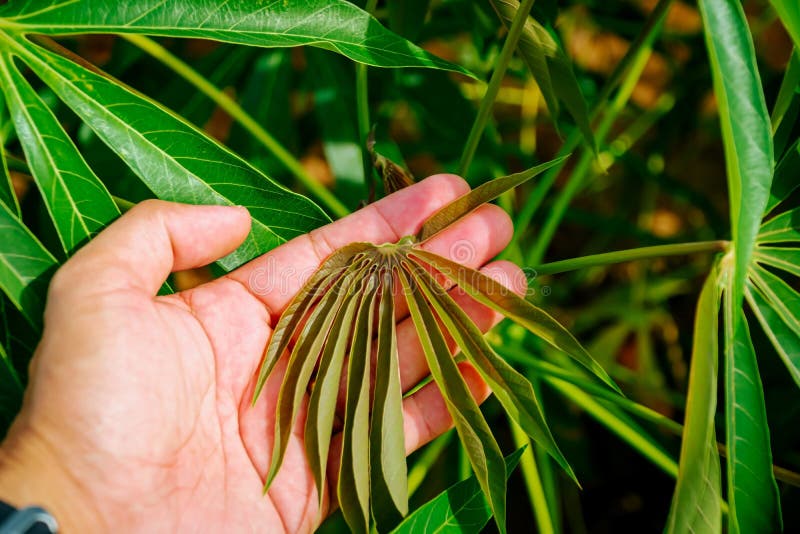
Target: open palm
{"type": "Point", "coordinates": [138, 417]}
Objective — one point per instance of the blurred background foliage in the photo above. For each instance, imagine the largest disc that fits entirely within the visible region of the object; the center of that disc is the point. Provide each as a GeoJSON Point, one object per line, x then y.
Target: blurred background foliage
{"type": "Point", "coordinates": [658, 177]}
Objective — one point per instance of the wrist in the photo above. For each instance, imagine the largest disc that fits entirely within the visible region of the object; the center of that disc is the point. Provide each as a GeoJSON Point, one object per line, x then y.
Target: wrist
{"type": "Point", "coordinates": [32, 475]}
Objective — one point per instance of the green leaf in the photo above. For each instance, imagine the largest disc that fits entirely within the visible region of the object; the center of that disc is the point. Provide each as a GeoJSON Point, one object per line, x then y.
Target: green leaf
{"type": "Point", "coordinates": [746, 128]}
{"type": "Point", "coordinates": [550, 67]}
{"type": "Point", "coordinates": [784, 258]}
{"type": "Point", "coordinates": [77, 201]}
{"type": "Point", "coordinates": [476, 436]}
{"type": "Point", "coordinates": [789, 13]}
{"type": "Point", "coordinates": [491, 293]}
{"type": "Point", "coordinates": [461, 508]}
{"type": "Point", "coordinates": [293, 316]}
{"type": "Point", "coordinates": [10, 392]}
{"type": "Point", "coordinates": [696, 503]}
{"type": "Point", "coordinates": [302, 362]}
{"type": "Point", "coordinates": [753, 499]}
{"type": "Point", "coordinates": [487, 192]}
{"type": "Point", "coordinates": [783, 228]}
{"type": "Point", "coordinates": [174, 159]}
{"type": "Point", "coordinates": [322, 404]}
{"type": "Point", "coordinates": [388, 472]}
{"type": "Point", "coordinates": [783, 338]}
{"type": "Point", "coordinates": [511, 388]}
{"type": "Point", "coordinates": [25, 267]}
{"type": "Point", "coordinates": [354, 470]}
{"type": "Point", "coordinates": [782, 298]}
{"type": "Point", "coordinates": [787, 94]}
{"type": "Point", "coordinates": [7, 195]}
{"type": "Point", "coordinates": [785, 181]}
{"type": "Point", "coordinates": [334, 25]}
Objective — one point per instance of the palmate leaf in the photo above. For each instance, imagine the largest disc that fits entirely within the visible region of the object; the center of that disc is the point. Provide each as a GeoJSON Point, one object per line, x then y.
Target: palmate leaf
{"type": "Point", "coordinates": [785, 181]}
{"type": "Point", "coordinates": [696, 503]}
{"type": "Point", "coordinates": [76, 199]}
{"type": "Point", "coordinates": [334, 317]}
{"type": "Point", "coordinates": [334, 25]}
{"type": "Point", "coordinates": [174, 159]}
{"type": "Point", "coordinates": [461, 508]}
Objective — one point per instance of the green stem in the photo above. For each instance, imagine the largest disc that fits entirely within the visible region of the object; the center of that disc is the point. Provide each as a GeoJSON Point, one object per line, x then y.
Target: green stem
{"type": "Point", "coordinates": [620, 256]}
{"type": "Point", "coordinates": [362, 114]}
{"type": "Point", "coordinates": [533, 482]}
{"type": "Point", "coordinates": [646, 35]}
{"type": "Point", "coordinates": [485, 108]}
{"type": "Point", "coordinates": [237, 113]}
{"type": "Point", "coordinates": [578, 176]}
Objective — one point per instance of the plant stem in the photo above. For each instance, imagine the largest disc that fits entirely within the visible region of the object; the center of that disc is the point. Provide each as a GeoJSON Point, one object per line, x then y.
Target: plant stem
{"type": "Point", "coordinates": [646, 35]}
{"type": "Point", "coordinates": [577, 178]}
{"type": "Point", "coordinates": [620, 256]}
{"type": "Point", "coordinates": [485, 108]}
{"type": "Point", "coordinates": [362, 114]}
{"type": "Point", "coordinates": [237, 113]}
{"type": "Point", "coordinates": [533, 482]}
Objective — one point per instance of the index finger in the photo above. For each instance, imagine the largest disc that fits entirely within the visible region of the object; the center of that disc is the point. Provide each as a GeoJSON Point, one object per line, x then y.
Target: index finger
{"type": "Point", "coordinates": [275, 277]}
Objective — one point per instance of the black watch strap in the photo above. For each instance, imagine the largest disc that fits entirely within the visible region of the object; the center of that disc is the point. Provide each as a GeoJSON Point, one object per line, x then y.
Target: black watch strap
{"type": "Point", "coordinates": [29, 520]}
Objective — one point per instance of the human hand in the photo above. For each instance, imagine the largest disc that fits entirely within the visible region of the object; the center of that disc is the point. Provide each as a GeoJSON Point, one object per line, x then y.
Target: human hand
{"type": "Point", "coordinates": [138, 414]}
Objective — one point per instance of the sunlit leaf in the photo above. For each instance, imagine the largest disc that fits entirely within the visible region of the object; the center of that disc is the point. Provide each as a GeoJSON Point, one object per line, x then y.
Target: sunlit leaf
{"type": "Point", "coordinates": [783, 228]}
{"type": "Point", "coordinates": [25, 267]}
{"type": "Point", "coordinates": [783, 338]}
{"type": "Point", "coordinates": [787, 259]}
{"type": "Point", "coordinates": [461, 508]}
{"type": "Point", "coordinates": [512, 389]}
{"type": "Point", "coordinates": [354, 471]}
{"type": "Point", "coordinates": [550, 67]}
{"type": "Point", "coordinates": [696, 503]}
{"type": "Point", "coordinates": [753, 498]}
{"type": "Point", "coordinates": [389, 484]}
{"type": "Point", "coordinates": [784, 300]}
{"type": "Point", "coordinates": [7, 195]}
{"type": "Point", "coordinates": [174, 159]}
{"type": "Point", "coordinates": [78, 202]}
{"type": "Point", "coordinates": [491, 293]}
{"type": "Point", "coordinates": [334, 25]}
{"type": "Point", "coordinates": [480, 195]}
{"type": "Point", "coordinates": [481, 448]}
{"type": "Point", "coordinates": [746, 128]}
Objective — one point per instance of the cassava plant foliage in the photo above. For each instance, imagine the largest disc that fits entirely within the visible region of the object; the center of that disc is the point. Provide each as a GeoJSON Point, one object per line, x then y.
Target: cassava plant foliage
{"type": "Point", "coordinates": [334, 317]}
{"type": "Point", "coordinates": [90, 145]}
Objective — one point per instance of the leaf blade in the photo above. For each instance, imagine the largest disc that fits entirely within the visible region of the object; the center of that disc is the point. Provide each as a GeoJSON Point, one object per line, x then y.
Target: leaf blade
{"type": "Point", "coordinates": [478, 196]}
{"type": "Point", "coordinates": [753, 498]}
{"type": "Point", "coordinates": [491, 293]}
{"type": "Point", "coordinates": [77, 201]}
{"type": "Point", "coordinates": [174, 159]}
{"type": "Point", "coordinates": [696, 503]}
{"type": "Point", "coordinates": [333, 25]}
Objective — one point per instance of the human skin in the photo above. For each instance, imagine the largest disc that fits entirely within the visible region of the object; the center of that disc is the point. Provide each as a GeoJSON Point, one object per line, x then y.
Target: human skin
{"type": "Point", "coordinates": [138, 414]}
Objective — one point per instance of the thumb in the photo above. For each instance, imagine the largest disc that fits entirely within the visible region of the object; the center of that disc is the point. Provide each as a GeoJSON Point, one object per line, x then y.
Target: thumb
{"type": "Point", "coordinates": [141, 248]}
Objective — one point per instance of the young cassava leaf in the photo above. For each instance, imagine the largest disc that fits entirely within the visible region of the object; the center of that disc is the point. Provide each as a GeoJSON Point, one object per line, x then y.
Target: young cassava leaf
{"type": "Point", "coordinates": [393, 175]}
{"type": "Point", "coordinates": [345, 312]}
